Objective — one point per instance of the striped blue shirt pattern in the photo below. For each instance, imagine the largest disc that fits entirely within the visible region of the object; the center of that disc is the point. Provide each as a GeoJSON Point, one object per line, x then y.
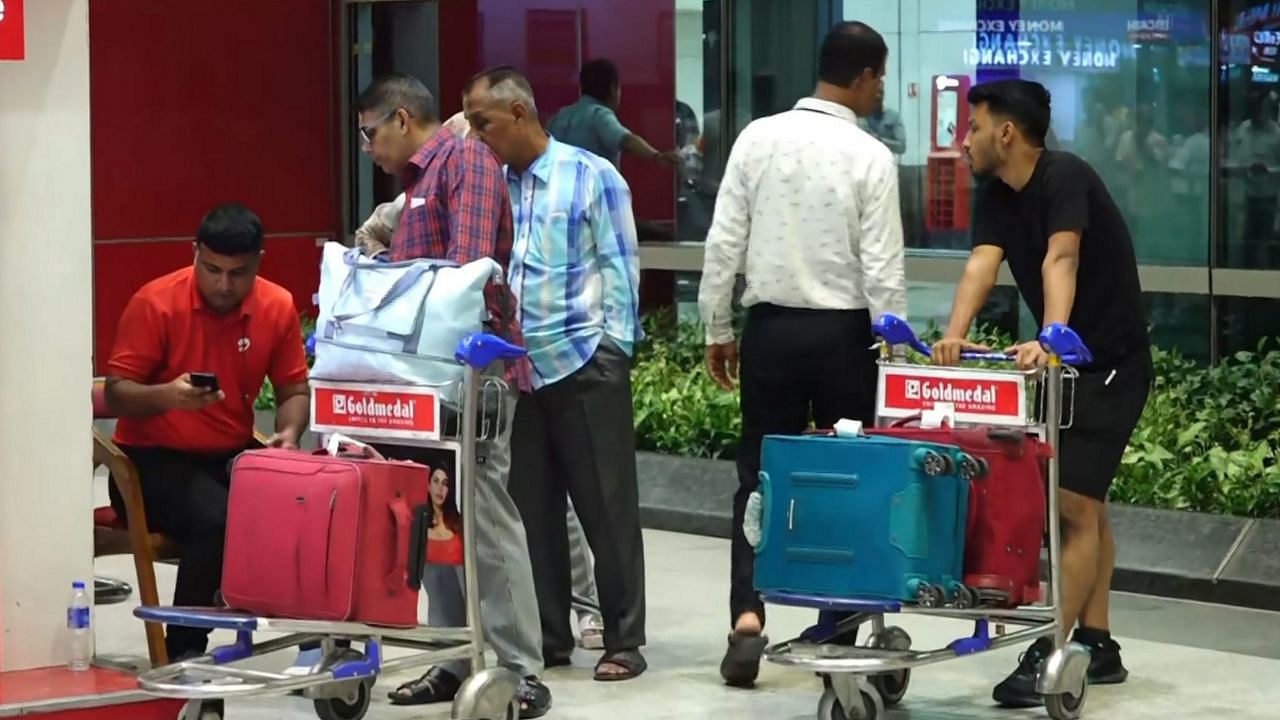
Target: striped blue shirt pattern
{"type": "Point", "coordinates": [575, 265]}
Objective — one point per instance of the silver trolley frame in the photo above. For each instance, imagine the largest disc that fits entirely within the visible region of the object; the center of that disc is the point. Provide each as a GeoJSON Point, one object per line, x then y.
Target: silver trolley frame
{"type": "Point", "coordinates": [341, 683]}
{"type": "Point", "coordinates": [860, 682]}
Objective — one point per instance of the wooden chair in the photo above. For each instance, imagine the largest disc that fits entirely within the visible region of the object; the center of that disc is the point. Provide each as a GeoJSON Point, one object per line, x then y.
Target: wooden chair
{"type": "Point", "coordinates": [113, 535]}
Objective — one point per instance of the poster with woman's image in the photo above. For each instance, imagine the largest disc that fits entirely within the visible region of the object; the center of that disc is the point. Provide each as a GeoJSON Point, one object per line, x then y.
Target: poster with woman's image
{"type": "Point", "coordinates": [444, 534]}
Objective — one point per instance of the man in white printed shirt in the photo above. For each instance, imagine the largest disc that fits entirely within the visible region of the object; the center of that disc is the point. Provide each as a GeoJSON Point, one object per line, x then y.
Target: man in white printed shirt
{"type": "Point", "coordinates": [810, 201]}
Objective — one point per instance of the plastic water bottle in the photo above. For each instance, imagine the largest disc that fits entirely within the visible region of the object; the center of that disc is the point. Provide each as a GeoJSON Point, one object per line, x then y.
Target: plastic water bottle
{"type": "Point", "coordinates": [79, 632]}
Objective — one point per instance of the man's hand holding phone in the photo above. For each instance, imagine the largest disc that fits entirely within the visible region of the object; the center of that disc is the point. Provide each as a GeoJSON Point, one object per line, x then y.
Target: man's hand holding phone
{"type": "Point", "coordinates": [193, 391]}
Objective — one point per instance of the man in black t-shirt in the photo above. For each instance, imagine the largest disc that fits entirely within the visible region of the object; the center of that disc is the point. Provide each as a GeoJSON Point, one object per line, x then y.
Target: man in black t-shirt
{"type": "Point", "coordinates": [1050, 216]}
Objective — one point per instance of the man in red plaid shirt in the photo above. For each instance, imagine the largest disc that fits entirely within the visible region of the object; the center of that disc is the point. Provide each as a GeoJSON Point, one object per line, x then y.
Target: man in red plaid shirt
{"type": "Point", "coordinates": [456, 208]}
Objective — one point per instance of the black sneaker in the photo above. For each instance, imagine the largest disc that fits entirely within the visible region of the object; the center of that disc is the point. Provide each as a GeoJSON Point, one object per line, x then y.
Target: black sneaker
{"type": "Point", "coordinates": [1105, 667]}
{"type": "Point", "coordinates": [1019, 689]}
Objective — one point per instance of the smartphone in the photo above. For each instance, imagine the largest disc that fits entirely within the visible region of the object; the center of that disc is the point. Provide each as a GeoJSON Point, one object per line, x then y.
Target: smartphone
{"type": "Point", "coordinates": [205, 381]}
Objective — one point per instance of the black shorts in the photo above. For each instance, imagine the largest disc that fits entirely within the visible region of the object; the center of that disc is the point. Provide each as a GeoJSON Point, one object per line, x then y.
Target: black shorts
{"type": "Point", "coordinates": [1108, 402]}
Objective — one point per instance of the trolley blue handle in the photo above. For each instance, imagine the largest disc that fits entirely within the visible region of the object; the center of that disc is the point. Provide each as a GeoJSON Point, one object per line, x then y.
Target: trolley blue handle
{"type": "Point", "coordinates": [479, 350]}
{"type": "Point", "coordinates": [1057, 339]}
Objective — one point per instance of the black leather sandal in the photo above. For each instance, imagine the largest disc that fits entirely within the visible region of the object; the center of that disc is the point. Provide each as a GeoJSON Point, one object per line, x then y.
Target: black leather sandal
{"type": "Point", "coordinates": [629, 660]}
{"type": "Point", "coordinates": [741, 664]}
{"type": "Point", "coordinates": [436, 685]}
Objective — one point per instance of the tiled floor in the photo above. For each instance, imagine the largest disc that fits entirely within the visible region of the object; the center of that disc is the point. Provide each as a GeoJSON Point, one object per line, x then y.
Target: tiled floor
{"type": "Point", "coordinates": [1187, 661]}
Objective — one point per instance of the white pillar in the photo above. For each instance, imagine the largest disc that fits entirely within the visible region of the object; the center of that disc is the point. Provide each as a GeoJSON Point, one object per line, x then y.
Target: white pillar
{"type": "Point", "coordinates": [46, 307]}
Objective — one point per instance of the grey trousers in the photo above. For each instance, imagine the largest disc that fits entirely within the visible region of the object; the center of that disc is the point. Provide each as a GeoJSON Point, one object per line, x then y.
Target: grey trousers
{"type": "Point", "coordinates": [508, 603]}
{"type": "Point", "coordinates": [582, 566]}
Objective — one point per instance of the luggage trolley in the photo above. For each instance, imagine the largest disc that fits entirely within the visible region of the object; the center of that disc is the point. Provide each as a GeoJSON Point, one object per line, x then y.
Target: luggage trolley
{"type": "Point", "coordinates": [860, 682]}
{"type": "Point", "coordinates": [341, 683]}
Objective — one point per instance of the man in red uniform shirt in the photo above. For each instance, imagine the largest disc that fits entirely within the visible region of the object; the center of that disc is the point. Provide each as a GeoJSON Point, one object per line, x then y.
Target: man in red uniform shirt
{"type": "Point", "coordinates": [218, 318]}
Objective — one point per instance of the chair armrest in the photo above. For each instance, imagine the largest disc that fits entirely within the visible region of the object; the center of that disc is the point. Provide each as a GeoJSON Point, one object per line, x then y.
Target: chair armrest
{"type": "Point", "coordinates": [125, 476]}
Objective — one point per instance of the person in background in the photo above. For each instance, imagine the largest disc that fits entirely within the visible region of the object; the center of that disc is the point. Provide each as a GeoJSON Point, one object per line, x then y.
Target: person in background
{"type": "Point", "coordinates": [592, 123]}
{"type": "Point", "coordinates": [374, 238]}
{"type": "Point", "coordinates": [1050, 216]}
{"type": "Point", "coordinates": [810, 202]}
{"type": "Point", "coordinates": [886, 125]}
{"type": "Point", "coordinates": [216, 316]}
{"type": "Point", "coordinates": [458, 210]}
{"type": "Point", "coordinates": [575, 269]}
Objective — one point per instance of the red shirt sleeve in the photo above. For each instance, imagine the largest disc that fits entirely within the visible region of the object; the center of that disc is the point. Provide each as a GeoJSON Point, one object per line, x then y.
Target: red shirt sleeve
{"type": "Point", "coordinates": [289, 361]}
{"type": "Point", "coordinates": [139, 350]}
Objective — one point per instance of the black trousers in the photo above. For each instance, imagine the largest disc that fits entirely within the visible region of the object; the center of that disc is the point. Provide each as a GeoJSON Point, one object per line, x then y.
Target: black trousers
{"type": "Point", "coordinates": [795, 365]}
{"type": "Point", "coordinates": [186, 499]}
{"type": "Point", "coordinates": [576, 436]}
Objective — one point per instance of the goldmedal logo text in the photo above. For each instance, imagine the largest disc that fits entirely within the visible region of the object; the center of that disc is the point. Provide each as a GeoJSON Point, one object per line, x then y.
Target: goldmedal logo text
{"type": "Point", "coordinates": [356, 406]}
{"type": "Point", "coordinates": [972, 393]}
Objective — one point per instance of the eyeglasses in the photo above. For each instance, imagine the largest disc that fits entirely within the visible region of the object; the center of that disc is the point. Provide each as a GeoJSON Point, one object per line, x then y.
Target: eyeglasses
{"type": "Point", "coordinates": [368, 131]}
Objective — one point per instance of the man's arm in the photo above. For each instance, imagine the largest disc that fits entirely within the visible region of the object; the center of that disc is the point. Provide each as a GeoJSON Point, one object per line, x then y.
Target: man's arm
{"type": "Point", "coordinates": [137, 357]}
{"type": "Point", "coordinates": [880, 247]}
{"type": "Point", "coordinates": [1059, 273]}
{"type": "Point", "coordinates": [478, 206]}
{"type": "Point", "coordinates": [614, 134]}
{"type": "Point", "coordinates": [374, 236]}
{"type": "Point", "coordinates": [726, 245]}
{"type": "Point", "coordinates": [980, 274]}
{"type": "Point", "coordinates": [614, 229]}
{"type": "Point", "coordinates": [288, 373]}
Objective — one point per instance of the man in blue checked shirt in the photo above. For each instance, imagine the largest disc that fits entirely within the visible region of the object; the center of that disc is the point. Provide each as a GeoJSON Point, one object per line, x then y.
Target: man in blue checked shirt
{"type": "Point", "coordinates": [575, 271]}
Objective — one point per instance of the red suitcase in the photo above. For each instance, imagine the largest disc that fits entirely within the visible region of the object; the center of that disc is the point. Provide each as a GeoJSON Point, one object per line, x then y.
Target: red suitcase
{"type": "Point", "coordinates": [1006, 508]}
{"type": "Point", "coordinates": [319, 537]}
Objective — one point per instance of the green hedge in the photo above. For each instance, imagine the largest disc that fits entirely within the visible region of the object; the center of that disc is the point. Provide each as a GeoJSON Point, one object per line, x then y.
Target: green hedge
{"type": "Point", "coordinates": [1209, 440]}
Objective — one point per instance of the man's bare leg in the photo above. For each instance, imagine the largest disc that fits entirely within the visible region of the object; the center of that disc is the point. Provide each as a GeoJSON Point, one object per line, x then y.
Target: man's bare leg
{"type": "Point", "coordinates": [1105, 666]}
{"type": "Point", "coordinates": [1081, 541]}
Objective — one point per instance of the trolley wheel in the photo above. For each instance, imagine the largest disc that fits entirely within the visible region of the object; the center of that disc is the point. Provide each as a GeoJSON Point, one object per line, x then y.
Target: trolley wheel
{"type": "Point", "coordinates": [1067, 706]}
{"type": "Point", "coordinates": [341, 709]}
{"type": "Point", "coordinates": [966, 597]}
{"type": "Point", "coordinates": [892, 686]}
{"type": "Point", "coordinates": [969, 468]}
{"type": "Point", "coordinates": [829, 707]}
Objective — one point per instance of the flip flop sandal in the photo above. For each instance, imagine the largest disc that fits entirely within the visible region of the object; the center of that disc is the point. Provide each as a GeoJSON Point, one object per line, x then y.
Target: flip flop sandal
{"type": "Point", "coordinates": [592, 633]}
{"type": "Point", "coordinates": [435, 686]}
{"type": "Point", "coordinates": [741, 664]}
{"type": "Point", "coordinates": [630, 660]}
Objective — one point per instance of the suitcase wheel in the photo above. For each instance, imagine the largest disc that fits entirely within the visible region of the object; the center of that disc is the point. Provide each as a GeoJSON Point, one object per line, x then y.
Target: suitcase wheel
{"type": "Point", "coordinates": [929, 596]}
{"type": "Point", "coordinates": [352, 707]}
{"type": "Point", "coordinates": [935, 464]}
{"type": "Point", "coordinates": [966, 597]}
{"type": "Point", "coordinates": [971, 469]}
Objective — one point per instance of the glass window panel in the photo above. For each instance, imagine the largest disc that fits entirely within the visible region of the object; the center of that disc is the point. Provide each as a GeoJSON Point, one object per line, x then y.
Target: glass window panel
{"type": "Point", "coordinates": [1250, 135]}
{"type": "Point", "coordinates": [1244, 322]}
{"type": "Point", "coordinates": [1130, 85]}
{"type": "Point", "coordinates": [699, 40]}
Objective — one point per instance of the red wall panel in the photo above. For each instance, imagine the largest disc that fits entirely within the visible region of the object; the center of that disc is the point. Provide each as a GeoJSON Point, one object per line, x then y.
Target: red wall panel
{"type": "Point", "coordinates": [200, 102]}
{"type": "Point", "coordinates": [123, 267]}
{"type": "Point", "coordinates": [537, 37]}
{"type": "Point", "coordinates": [206, 101]}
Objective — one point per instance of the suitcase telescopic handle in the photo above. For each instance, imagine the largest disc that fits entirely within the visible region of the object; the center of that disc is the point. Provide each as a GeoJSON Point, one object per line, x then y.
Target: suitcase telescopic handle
{"type": "Point", "coordinates": [404, 523]}
{"type": "Point", "coordinates": [422, 517]}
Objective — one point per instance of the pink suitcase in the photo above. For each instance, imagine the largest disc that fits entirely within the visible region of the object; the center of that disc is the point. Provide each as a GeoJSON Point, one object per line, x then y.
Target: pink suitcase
{"type": "Point", "coordinates": [319, 537]}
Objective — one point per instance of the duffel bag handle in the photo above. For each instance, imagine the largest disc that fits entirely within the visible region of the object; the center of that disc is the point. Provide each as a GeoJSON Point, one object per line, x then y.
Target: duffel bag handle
{"type": "Point", "coordinates": [397, 289]}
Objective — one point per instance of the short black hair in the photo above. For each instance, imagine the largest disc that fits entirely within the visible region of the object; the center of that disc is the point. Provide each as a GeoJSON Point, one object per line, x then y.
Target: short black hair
{"type": "Point", "coordinates": [231, 230]}
{"type": "Point", "coordinates": [1023, 102]}
{"type": "Point", "coordinates": [392, 92]}
{"type": "Point", "coordinates": [849, 49]}
{"type": "Point", "coordinates": [598, 78]}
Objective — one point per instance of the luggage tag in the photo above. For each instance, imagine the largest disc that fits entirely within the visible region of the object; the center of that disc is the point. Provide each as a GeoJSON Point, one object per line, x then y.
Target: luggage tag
{"type": "Point", "coordinates": [340, 445]}
{"type": "Point", "coordinates": [940, 415]}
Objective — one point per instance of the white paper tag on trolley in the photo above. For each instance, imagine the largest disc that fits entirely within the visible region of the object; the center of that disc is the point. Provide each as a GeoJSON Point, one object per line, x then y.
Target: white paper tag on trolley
{"type": "Point", "coordinates": [967, 397]}
{"type": "Point", "coordinates": [377, 412]}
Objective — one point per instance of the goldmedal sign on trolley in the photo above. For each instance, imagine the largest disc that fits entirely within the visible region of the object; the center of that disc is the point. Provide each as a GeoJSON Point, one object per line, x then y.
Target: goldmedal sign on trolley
{"type": "Point", "coordinates": [978, 396]}
{"type": "Point", "coordinates": [375, 411]}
